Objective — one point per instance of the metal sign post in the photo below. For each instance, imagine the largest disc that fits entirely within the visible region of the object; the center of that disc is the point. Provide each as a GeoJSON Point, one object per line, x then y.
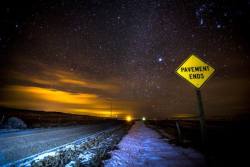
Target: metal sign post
{"type": "Point", "coordinates": [201, 117]}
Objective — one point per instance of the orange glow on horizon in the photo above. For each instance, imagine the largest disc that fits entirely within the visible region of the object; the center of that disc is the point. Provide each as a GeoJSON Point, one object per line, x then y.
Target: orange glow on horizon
{"type": "Point", "coordinates": [95, 112]}
{"type": "Point", "coordinates": [63, 91]}
{"type": "Point", "coordinates": [128, 118]}
{"type": "Point", "coordinates": [45, 99]}
{"type": "Point", "coordinates": [54, 95]}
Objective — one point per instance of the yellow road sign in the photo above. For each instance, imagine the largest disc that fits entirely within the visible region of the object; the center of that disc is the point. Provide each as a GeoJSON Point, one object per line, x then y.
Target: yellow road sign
{"type": "Point", "coordinates": [195, 71]}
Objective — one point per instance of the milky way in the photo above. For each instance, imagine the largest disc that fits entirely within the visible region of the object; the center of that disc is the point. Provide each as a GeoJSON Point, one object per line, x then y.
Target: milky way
{"type": "Point", "coordinates": [123, 52]}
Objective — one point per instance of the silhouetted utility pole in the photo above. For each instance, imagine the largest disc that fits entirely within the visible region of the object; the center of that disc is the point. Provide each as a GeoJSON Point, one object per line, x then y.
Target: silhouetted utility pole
{"type": "Point", "coordinates": [111, 108]}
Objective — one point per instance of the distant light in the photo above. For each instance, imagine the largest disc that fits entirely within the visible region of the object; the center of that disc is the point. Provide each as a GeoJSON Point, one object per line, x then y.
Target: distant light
{"type": "Point", "coordinates": [160, 59]}
{"type": "Point", "coordinates": [128, 118]}
{"type": "Point", "coordinates": [144, 118]}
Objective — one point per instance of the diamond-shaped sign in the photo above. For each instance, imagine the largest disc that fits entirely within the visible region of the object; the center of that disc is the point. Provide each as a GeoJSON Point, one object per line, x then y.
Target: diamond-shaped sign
{"type": "Point", "coordinates": [195, 71]}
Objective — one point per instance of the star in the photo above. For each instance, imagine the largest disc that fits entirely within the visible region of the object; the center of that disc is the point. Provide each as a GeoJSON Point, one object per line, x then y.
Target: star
{"type": "Point", "coordinates": [218, 26]}
{"type": "Point", "coordinates": [160, 59]}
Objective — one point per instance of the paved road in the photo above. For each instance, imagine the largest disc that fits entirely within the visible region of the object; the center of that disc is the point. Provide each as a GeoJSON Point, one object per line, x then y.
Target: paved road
{"type": "Point", "coordinates": [21, 144]}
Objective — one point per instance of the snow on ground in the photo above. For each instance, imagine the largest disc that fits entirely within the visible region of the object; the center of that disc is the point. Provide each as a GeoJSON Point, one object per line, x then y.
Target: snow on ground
{"type": "Point", "coordinates": [143, 146]}
{"type": "Point", "coordinates": [86, 151]}
{"type": "Point", "coordinates": [42, 156]}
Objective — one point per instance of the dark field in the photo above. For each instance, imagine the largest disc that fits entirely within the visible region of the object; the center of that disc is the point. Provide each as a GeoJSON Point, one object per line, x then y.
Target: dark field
{"type": "Point", "coordinates": [227, 141]}
{"type": "Point", "coordinates": [36, 119]}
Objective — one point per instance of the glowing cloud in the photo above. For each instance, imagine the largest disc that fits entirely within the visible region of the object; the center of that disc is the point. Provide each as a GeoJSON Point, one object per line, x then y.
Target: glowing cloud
{"type": "Point", "coordinates": [53, 89]}
{"type": "Point", "coordinates": [55, 77]}
{"type": "Point", "coordinates": [54, 95]}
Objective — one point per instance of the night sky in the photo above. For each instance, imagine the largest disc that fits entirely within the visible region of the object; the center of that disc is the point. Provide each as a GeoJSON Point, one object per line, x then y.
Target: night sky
{"type": "Point", "coordinates": [84, 56]}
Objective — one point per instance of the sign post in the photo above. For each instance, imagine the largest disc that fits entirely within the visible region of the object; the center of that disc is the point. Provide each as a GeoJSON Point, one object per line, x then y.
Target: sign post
{"type": "Point", "coordinates": [201, 117]}
{"type": "Point", "coordinates": [197, 72]}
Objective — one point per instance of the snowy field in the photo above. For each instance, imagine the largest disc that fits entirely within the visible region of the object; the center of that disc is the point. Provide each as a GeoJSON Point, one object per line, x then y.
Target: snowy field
{"type": "Point", "coordinates": [143, 146]}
